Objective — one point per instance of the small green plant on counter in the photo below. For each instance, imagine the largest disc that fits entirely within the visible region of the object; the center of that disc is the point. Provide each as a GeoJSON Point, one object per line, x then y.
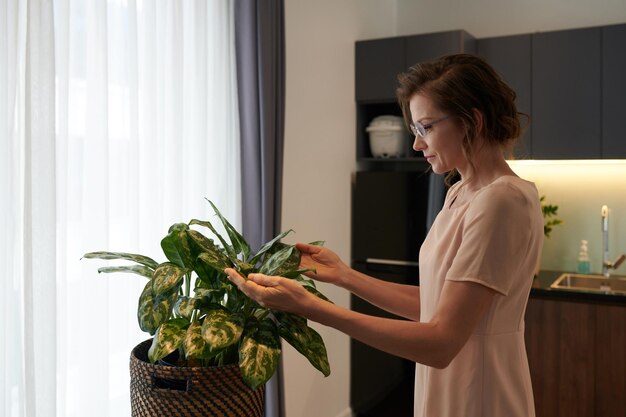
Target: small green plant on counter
{"type": "Point", "coordinates": [549, 214]}
{"type": "Point", "coordinates": [189, 305]}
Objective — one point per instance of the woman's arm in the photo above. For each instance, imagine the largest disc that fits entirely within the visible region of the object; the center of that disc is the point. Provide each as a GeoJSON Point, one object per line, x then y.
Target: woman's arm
{"type": "Point", "coordinates": [434, 343]}
{"type": "Point", "coordinates": [402, 300]}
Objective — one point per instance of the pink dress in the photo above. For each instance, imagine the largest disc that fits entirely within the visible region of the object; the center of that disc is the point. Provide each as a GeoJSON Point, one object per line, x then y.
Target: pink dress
{"type": "Point", "coordinates": [494, 239]}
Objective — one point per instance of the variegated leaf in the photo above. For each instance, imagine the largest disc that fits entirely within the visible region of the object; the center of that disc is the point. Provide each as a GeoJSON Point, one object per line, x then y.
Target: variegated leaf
{"type": "Point", "coordinates": [238, 242]}
{"type": "Point", "coordinates": [167, 276]}
{"type": "Point", "coordinates": [268, 246]}
{"type": "Point", "coordinates": [168, 337]}
{"type": "Point", "coordinates": [309, 285]}
{"type": "Point", "coordinates": [244, 268]}
{"type": "Point", "coordinates": [195, 346]}
{"type": "Point", "coordinates": [176, 246]}
{"type": "Point", "coordinates": [134, 269]}
{"type": "Point", "coordinates": [276, 262]}
{"type": "Point", "coordinates": [184, 306]}
{"type": "Point", "coordinates": [215, 261]}
{"type": "Point", "coordinates": [221, 329]}
{"type": "Point", "coordinates": [150, 312]}
{"type": "Point", "coordinates": [305, 340]}
{"type": "Point", "coordinates": [229, 249]}
{"type": "Point", "coordinates": [259, 353]}
{"type": "Point", "coordinates": [140, 259]}
{"type": "Point", "coordinates": [297, 273]}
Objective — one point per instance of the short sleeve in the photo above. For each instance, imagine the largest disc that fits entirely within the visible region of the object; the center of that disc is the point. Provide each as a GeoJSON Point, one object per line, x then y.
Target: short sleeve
{"type": "Point", "coordinates": [495, 238]}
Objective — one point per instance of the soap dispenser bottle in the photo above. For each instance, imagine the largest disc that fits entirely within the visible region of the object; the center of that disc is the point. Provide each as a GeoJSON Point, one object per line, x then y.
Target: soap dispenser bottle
{"type": "Point", "coordinates": [583, 264]}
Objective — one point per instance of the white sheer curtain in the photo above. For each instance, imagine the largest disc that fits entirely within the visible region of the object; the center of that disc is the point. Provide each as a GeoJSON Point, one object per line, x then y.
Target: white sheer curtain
{"type": "Point", "coordinates": [146, 128]}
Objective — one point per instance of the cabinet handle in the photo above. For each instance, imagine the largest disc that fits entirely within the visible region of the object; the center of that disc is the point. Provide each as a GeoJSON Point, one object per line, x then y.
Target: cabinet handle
{"type": "Point", "coordinates": [391, 262]}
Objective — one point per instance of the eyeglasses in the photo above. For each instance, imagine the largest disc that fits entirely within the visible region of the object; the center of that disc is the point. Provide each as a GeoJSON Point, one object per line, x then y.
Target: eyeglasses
{"type": "Point", "coordinates": [419, 129]}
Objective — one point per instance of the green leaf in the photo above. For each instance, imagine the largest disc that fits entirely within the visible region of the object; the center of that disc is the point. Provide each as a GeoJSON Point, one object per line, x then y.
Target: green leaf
{"type": "Point", "coordinates": [194, 344]}
{"type": "Point", "coordinates": [140, 259]}
{"type": "Point", "coordinates": [221, 329]}
{"type": "Point", "coordinates": [305, 340]}
{"type": "Point", "coordinates": [135, 269]}
{"type": "Point", "coordinates": [153, 311]}
{"type": "Point", "coordinates": [268, 246]}
{"type": "Point", "coordinates": [176, 246]}
{"type": "Point", "coordinates": [168, 337]}
{"type": "Point", "coordinates": [318, 243]}
{"type": "Point", "coordinates": [259, 353]}
{"type": "Point", "coordinates": [167, 277]}
{"type": "Point", "coordinates": [238, 242]}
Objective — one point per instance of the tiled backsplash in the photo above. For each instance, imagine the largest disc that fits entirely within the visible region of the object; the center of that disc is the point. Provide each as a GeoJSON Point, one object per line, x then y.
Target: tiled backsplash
{"type": "Point", "coordinates": [580, 188]}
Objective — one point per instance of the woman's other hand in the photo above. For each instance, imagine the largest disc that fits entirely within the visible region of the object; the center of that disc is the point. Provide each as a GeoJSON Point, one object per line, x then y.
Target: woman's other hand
{"type": "Point", "coordinates": [276, 293]}
{"type": "Point", "coordinates": [328, 266]}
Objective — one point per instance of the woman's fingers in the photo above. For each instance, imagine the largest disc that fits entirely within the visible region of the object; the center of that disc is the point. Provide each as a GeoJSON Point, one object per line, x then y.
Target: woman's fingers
{"type": "Point", "coordinates": [270, 291]}
{"type": "Point", "coordinates": [308, 249]}
{"type": "Point", "coordinates": [255, 287]}
{"type": "Point", "coordinates": [264, 280]}
{"type": "Point", "coordinates": [234, 276]}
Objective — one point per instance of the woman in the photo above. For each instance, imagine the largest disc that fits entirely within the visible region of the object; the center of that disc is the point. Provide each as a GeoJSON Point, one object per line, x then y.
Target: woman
{"type": "Point", "coordinates": [466, 327]}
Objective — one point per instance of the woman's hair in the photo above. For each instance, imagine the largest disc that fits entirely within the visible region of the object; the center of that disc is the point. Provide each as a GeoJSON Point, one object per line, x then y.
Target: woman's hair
{"type": "Point", "coordinates": [458, 84]}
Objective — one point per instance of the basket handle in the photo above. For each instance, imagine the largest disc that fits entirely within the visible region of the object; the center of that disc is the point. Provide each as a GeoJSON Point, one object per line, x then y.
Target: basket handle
{"type": "Point", "coordinates": [170, 384]}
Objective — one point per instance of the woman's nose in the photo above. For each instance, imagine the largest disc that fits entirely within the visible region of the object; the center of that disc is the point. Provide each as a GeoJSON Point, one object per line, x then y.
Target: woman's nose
{"type": "Point", "coordinates": [418, 143]}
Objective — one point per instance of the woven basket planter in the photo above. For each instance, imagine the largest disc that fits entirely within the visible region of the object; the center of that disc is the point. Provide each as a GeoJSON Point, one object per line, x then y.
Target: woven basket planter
{"type": "Point", "coordinates": [171, 391]}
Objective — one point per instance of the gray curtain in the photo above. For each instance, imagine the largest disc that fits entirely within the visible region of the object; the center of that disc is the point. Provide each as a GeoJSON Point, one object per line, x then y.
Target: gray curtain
{"type": "Point", "coordinates": [260, 50]}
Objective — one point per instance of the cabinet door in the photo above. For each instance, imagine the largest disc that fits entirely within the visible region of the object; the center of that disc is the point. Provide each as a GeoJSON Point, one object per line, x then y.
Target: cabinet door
{"type": "Point", "coordinates": [613, 91]}
{"type": "Point", "coordinates": [510, 57]}
{"type": "Point", "coordinates": [566, 89]}
{"type": "Point", "coordinates": [378, 63]}
{"type": "Point", "coordinates": [426, 47]}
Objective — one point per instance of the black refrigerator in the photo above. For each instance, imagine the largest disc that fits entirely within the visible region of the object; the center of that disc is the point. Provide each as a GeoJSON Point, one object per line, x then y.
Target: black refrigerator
{"type": "Point", "coordinates": [391, 214]}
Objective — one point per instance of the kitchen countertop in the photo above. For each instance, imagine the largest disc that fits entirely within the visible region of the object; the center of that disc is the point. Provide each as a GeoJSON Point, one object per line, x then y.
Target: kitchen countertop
{"type": "Point", "coordinates": [541, 289]}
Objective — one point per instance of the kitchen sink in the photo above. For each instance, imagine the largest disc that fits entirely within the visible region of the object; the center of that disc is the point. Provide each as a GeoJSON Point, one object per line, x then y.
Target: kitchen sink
{"type": "Point", "coordinates": [590, 283]}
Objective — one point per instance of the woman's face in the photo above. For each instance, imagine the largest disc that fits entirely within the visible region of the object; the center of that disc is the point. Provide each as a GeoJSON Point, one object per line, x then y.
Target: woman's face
{"type": "Point", "coordinates": [442, 144]}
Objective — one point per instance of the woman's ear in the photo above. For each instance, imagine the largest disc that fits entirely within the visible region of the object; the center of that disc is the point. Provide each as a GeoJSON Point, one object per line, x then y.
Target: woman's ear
{"type": "Point", "coordinates": [479, 120]}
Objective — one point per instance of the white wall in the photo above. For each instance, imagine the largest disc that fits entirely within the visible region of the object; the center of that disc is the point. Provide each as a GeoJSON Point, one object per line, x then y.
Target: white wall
{"type": "Point", "coordinates": [319, 160]}
{"type": "Point", "coordinates": [320, 129]}
{"type": "Point", "coordinates": [485, 18]}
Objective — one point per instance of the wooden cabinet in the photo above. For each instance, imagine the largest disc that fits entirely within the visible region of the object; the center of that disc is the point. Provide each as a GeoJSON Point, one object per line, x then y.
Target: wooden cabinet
{"type": "Point", "coordinates": [576, 357]}
{"type": "Point", "coordinates": [510, 56]}
{"type": "Point", "coordinates": [566, 94]}
{"type": "Point", "coordinates": [613, 91]}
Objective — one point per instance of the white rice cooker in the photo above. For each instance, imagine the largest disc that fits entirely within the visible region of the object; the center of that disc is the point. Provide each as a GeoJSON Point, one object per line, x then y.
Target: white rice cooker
{"type": "Point", "coordinates": [388, 137]}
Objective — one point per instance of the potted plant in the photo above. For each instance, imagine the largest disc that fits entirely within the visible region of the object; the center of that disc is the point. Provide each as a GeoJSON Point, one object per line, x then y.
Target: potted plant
{"type": "Point", "coordinates": [550, 220]}
{"type": "Point", "coordinates": [549, 212]}
{"type": "Point", "coordinates": [202, 324]}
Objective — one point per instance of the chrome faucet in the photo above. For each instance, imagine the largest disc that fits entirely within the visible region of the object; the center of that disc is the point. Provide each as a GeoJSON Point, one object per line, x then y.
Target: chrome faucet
{"type": "Point", "coordinates": [607, 265]}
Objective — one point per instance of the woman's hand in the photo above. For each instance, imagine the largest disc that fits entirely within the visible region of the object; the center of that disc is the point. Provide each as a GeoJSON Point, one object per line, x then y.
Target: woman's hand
{"type": "Point", "coordinates": [328, 266]}
{"type": "Point", "coordinates": [276, 293]}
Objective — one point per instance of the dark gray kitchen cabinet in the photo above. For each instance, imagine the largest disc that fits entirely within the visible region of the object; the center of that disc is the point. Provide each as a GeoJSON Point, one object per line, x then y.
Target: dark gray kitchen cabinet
{"type": "Point", "coordinates": [426, 47]}
{"type": "Point", "coordinates": [613, 91]}
{"type": "Point", "coordinates": [378, 63]}
{"type": "Point", "coordinates": [510, 56]}
{"type": "Point", "coordinates": [566, 94]}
